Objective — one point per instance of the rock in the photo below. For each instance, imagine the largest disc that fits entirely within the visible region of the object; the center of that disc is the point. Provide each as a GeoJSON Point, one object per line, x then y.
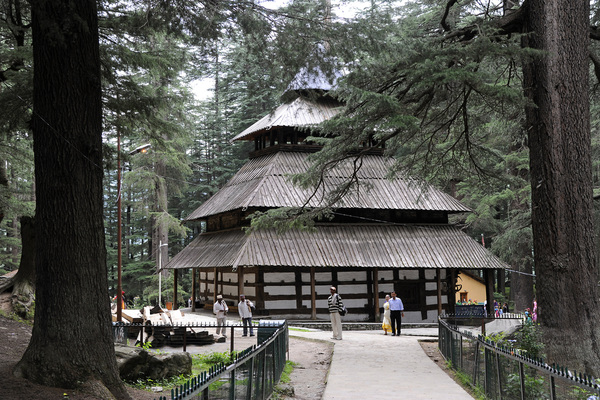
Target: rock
{"type": "Point", "coordinates": [136, 363]}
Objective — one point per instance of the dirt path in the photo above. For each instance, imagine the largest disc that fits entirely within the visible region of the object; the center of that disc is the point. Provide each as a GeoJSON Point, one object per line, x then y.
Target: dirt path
{"type": "Point", "coordinates": [308, 378]}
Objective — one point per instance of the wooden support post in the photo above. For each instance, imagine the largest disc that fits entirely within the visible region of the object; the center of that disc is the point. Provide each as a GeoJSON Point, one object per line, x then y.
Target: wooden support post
{"type": "Point", "coordinates": [175, 273]}
{"type": "Point", "coordinates": [451, 290]}
{"type": "Point", "coordinates": [240, 272]}
{"type": "Point", "coordinates": [193, 289]}
{"type": "Point", "coordinates": [313, 294]}
{"type": "Point", "coordinates": [488, 275]}
{"type": "Point", "coordinates": [439, 291]}
{"type": "Point", "coordinates": [376, 293]}
{"type": "Point", "coordinates": [216, 283]}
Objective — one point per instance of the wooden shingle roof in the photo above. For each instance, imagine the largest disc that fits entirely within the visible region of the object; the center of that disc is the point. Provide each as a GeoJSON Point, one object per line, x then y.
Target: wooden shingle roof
{"type": "Point", "coordinates": [264, 182]}
{"type": "Point", "coordinates": [339, 245]}
{"type": "Point", "coordinates": [299, 113]}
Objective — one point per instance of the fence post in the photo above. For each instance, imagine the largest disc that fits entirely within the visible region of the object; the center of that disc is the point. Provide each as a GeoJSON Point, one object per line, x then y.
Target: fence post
{"type": "Point", "coordinates": [522, 379]}
{"type": "Point", "coordinates": [476, 365]}
{"type": "Point", "coordinates": [184, 337]}
{"type": "Point", "coordinates": [231, 341]}
{"type": "Point", "coordinates": [250, 379]}
{"type": "Point", "coordinates": [264, 374]}
{"type": "Point", "coordinates": [232, 385]}
{"type": "Point", "coordinates": [499, 375]}
{"type": "Point", "coordinates": [461, 353]}
{"type": "Point", "coordinates": [552, 388]}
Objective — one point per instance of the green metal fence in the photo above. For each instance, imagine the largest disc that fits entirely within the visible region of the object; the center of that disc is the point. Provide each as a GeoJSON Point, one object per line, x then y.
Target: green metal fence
{"type": "Point", "coordinates": [252, 376]}
{"type": "Point", "coordinates": [506, 373]}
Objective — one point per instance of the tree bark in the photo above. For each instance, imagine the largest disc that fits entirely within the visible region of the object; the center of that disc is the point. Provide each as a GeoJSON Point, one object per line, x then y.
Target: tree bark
{"type": "Point", "coordinates": [72, 343]}
{"type": "Point", "coordinates": [561, 182]}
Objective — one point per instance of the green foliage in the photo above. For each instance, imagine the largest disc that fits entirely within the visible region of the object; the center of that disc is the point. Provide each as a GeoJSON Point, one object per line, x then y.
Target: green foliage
{"type": "Point", "coordinates": [147, 384]}
{"type": "Point", "coordinates": [535, 387]}
{"type": "Point", "coordinates": [213, 358]}
{"type": "Point", "coordinates": [465, 380]}
{"type": "Point", "coordinates": [529, 339]}
{"type": "Point", "coordinates": [280, 391]}
{"type": "Point", "coordinates": [146, 346]}
{"type": "Point", "coordinates": [17, 318]}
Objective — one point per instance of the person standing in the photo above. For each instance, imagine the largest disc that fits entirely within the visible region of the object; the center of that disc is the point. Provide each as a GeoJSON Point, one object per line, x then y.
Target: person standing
{"type": "Point", "coordinates": [396, 314]}
{"type": "Point", "coordinates": [245, 308]}
{"type": "Point", "coordinates": [220, 309]}
{"type": "Point", "coordinates": [334, 303]}
{"type": "Point", "coordinates": [387, 323]}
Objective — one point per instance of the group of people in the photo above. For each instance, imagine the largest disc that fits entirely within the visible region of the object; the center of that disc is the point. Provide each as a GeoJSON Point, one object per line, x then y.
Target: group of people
{"type": "Point", "coordinates": [532, 316]}
{"type": "Point", "coordinates": [500, 310]}
{"type": "Point", "coordinates": [392, 314]}
{"type": "Point", "coordinates": [393, 311]}
{"type": "Point", "coordinates": [245, 309]}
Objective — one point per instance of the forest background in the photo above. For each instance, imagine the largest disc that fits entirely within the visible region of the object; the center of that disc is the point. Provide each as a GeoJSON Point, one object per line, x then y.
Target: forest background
{"type": "Point", "coordinates": [464, 121]}
{"type": "Point", "coordinates": [150, 95]}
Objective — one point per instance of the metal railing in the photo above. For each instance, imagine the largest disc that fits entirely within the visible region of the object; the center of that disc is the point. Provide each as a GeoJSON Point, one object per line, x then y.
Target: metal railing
{"type": "Point", "coordinates": [508, 373]}
{"type": "Point", "coordinates": [253, 374]}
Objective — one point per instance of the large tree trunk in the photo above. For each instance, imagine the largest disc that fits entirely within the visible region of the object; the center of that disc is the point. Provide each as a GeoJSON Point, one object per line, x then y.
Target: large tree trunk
{"type": "Point", "coordinates": [561, 179]}
{"type": "Point", "coordinates": [71, 341]}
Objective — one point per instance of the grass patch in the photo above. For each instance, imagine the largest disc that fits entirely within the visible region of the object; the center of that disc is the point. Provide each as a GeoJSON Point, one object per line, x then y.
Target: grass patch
{"type": "Point", "coordinates": [200, 363]}
{"type": "Point", "coordinates": [464, 380]}
{"type": "Point", "coordinates": [15, 317]}
{"type": "Point", "coordinates": [282, 389]}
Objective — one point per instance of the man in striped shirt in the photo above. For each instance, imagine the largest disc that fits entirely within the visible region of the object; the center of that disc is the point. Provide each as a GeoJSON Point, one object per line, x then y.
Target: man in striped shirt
{"type": "Point", "coordinates": [335, 305]}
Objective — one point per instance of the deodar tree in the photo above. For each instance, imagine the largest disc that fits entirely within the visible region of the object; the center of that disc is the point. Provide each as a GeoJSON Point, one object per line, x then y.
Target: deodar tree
{"type": "Point", "coordinates": [434, 80]}
{"type": "Point", "coordinates": [71, 340]}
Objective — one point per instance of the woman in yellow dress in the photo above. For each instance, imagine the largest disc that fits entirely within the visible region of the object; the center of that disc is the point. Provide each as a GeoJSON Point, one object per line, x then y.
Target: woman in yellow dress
{"type": "Point", "coordinates": [387, 323]}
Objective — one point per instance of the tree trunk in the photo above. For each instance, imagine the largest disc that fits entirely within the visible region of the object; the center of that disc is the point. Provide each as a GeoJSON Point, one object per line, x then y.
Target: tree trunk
{"type": "Point", "coordinates": [72, 342]}
{"type": "Point", "coordinates": [561, 182]}
{"type": "Point", "coordinates": [521, 286]}
{"type": "Point", "coordinates": [23, 285]}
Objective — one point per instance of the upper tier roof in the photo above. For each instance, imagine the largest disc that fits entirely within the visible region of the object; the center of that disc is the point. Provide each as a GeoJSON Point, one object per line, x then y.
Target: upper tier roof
{"type": "Point", "coordinates": [263, 182]}
{"type": "Point", "coordinates": [299, 113]}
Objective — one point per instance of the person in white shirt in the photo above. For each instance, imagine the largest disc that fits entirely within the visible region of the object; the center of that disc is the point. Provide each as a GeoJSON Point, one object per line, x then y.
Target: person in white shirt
{"type": "Point", "coordinates": [396, 314]}
{"type": "Point", "coordinates": [245, 307]}
{"type": "Point", "coordinates": [220, 309]}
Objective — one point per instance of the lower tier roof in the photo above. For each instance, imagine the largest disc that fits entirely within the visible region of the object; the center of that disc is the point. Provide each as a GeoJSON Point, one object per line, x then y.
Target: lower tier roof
{"type": "Point", "coordinates": [339, 245]}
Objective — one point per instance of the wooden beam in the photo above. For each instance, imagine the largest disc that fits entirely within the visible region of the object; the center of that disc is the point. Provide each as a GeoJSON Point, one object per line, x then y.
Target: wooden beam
{"type": "Point", "coordinates": [240, 271]}
{"type": "Point", "coordinates": [488, 276]}
{"type": "Point", "coordinates": [215, 282]}
{"type": "Point", "coordinates": [313, 294]}
{"type": "Point", "coordinates": [439, 290]}
{"type": "Point", "coordinates": [175, 274]}
{"type": "Point", "coordinates": [298, 288]}
{"type": "Point", "coordinates": [376, 293]}
{"type": "Point", "coordinates": [451, 274]}
{"type": "Point", "coordinates": [193, 289]}
{"type": "Point", "coordinates": [422, 294]}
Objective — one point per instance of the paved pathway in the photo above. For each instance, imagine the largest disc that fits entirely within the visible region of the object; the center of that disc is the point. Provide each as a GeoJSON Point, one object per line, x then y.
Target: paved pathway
{"type": "Point", "coordinates": [369, 365]}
